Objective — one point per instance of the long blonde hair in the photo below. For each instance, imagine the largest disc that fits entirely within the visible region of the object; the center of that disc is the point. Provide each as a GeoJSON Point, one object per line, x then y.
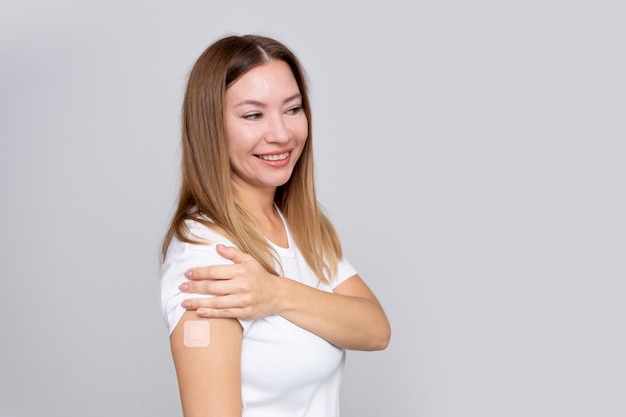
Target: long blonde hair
{"type": "Point", "coordinates": [206, 193]}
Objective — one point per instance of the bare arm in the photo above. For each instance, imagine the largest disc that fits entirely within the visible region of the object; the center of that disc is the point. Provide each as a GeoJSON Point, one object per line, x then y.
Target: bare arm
{"type": "Point", "coordinates": [208, 376]}
{"type": "Point", "coordinates": [350, 317]}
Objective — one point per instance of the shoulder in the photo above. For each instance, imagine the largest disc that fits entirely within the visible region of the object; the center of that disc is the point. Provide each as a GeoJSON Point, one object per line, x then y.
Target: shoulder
{"type": "Point", "coordinates": [182, 256]}
{"type": "Point", "coordinates": [345, 270]}
{"type": "Point", "coordinates": [199, 235]}
{"type": "Point", "coordinates": [203, 229]}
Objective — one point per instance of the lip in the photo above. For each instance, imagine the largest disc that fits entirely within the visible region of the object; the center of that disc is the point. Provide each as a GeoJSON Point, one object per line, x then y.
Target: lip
{"type": "Point", "coordinates": [275, 159]}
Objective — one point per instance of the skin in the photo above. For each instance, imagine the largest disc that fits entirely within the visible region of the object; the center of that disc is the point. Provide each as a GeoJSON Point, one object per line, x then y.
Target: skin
{"type": "Point", "coordinates": [209, 377]}
{"type": "Point", "coordinates": [267, 130]}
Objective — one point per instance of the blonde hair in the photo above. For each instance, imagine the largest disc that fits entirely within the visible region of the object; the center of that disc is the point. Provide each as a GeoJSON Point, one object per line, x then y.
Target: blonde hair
{"type": "Point", "coordinates": [206, 193]}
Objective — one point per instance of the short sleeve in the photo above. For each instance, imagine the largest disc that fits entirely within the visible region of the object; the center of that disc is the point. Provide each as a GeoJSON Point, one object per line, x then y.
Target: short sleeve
{"type": "Point", "coordinates": [180, 257]}
{"type": "Point", "coordinates": [345, 270]}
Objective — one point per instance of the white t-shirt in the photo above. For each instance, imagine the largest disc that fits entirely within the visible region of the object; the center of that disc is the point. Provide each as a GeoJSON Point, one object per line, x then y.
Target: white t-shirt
{"type": "Point", "coordinates": [286, 371]}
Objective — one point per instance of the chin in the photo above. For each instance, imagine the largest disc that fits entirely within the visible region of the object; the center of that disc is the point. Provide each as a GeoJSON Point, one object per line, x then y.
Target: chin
{"type": "Point", "coordinates": [277, 181]}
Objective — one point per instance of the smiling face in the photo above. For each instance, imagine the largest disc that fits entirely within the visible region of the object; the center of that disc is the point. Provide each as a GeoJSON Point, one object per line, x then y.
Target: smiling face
{"type": "Point", "coordinates": [266, 127]}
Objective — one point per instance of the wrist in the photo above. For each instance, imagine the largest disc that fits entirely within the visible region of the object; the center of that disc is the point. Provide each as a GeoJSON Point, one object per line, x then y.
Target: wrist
{"type": "Point", "coordinates": [283, 295]}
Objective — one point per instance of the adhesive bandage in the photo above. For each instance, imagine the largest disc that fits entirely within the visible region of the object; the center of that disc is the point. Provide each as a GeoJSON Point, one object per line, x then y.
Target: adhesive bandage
{"type": "Point", "coordinates": [197, 333]}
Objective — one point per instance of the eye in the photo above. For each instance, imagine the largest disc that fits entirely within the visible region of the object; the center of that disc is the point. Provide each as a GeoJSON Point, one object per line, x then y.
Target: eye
{"type": "Point", "coordinates": [252, 116]}
{"type": "Point", "coordinates": [294, 110]}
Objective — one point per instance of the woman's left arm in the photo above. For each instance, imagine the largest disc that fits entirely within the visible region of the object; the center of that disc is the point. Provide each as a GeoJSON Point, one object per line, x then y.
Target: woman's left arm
{"type": "Point", "coordinates": [350, 317]}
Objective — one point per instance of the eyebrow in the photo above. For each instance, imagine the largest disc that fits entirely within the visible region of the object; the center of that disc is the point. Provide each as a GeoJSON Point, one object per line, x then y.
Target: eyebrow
{"type": "Point", "coordinates": [261, 104]}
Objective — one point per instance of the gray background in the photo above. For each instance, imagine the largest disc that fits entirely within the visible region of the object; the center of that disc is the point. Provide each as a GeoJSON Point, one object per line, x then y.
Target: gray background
{"type": "Point", "coordinates": [470, 153]}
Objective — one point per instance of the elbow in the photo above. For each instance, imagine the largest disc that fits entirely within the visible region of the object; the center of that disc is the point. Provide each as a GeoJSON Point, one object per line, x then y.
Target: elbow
{"type": "Point", "coordinates": [382, 339]}
{"type": "Point", "coordinates": [385, 338]}
{"type": "Point", "coordinates": [374, 339]}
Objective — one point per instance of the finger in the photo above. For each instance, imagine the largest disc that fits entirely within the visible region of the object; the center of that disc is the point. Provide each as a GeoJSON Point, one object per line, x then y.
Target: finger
{"type": "Point", "coordinates": [211, 287]}
{"type": "Point", "coordinates": [224, 313]}
{"type": "Point", "coordinates": [222, 302]}
{"type": "Point", "coordinates": [231, 253]}
{"type": "Point", "coordinates": [246, 313]}
{"type": "Point", "coordinates": [213, 272]}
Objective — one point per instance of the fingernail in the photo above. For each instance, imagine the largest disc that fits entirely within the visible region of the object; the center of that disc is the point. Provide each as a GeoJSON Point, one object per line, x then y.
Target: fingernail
{"type": "Point", "coordinates": [183, 287]}
{"type": "Point", "coordinates": [188, 274]}
{"type": "Point", "coordinates": [200, 311]}
{"type": "Point", "coordinates": [220, 246]}
{"type": "Point", "coordinates": [186, 304]}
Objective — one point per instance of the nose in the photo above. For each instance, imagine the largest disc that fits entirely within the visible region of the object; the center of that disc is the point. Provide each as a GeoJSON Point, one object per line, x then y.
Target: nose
{"type": "Point", "coordinates": [277, 129]}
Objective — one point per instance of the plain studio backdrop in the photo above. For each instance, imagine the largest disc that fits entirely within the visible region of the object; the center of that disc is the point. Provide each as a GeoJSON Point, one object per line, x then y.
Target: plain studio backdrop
{"type": "Point", "coordinates": [471, 154]}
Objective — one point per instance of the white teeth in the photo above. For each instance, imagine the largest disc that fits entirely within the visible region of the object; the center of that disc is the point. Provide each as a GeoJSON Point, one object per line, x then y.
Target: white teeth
{"type": "Point", "coordinates": [278, 157]}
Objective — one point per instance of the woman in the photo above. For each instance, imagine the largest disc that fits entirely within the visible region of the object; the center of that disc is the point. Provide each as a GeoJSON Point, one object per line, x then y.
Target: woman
{"type": "Point", "coordinates": [275, 303]}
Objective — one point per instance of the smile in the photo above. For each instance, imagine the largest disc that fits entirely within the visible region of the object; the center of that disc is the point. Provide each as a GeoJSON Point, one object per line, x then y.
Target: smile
{"type": "Point", "coordinates": [278, 157]}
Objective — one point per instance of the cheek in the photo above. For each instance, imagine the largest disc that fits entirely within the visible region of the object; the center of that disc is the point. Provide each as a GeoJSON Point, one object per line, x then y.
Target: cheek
{"type": "Point", "coordinates": [302, 138]}
{"type": "Point", "coordinates": [303, 131]}
{"type": "Point", "coordinates": [239, 141]}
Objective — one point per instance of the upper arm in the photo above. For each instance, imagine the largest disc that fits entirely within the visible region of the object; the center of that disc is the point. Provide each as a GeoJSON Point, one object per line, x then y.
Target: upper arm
{"type": "Point", "coordinates": [209, 378]}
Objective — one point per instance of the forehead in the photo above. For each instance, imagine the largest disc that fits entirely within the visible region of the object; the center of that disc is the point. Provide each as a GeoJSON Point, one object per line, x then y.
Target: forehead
{"type": "Point", "coordinates": [273, 79]}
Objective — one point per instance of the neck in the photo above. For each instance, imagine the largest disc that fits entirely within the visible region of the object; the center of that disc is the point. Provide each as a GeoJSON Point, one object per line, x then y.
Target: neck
{"type": "Point", "coordinates": [258, 202]}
